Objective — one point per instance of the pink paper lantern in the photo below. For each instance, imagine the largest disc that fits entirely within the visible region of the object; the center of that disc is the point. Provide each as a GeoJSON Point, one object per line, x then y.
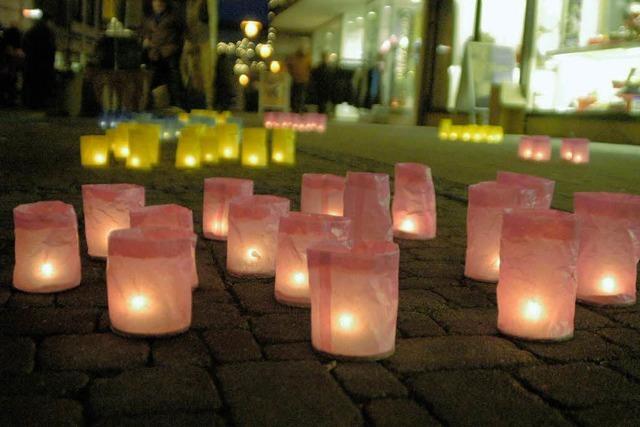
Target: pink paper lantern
{"type": "Point", "coordinates": [253, 234]}
{"type": "Point", "coordinates": [414, 202]}
{"type": "Point", "coordinates": [148, 289]}
{"type": "Point", "coordinates": [296, 233]}
{"type": "Point", "coordinates": [269, 119]}
{"type": "Point", "coordinates": [218, 193]}
{"type": "Point", "coordinates": [47, 253]}
{"type": "Point", "coordinates": [575, 150]}
{"type": "Point", "coordinates": [168, 216]}
{"type": "Point", "coordinates": [106, 208]}
{"type": "Point", "coordinates": [609, 236]}
{"type": "Point", "coordinates": [322, 194]}
{"type": "Point", "coordinates": [366, 202]}
{"type": "Point", "coordinates": [543, 187]}
{"type": "Point", "coordinates": [536, 148]}
{"type": "Point", "coordinates": [354, 298]}
{"type": "Point", "coordinates": [487, 203]}
{"type": "Point", "coordinates": [537, 288]}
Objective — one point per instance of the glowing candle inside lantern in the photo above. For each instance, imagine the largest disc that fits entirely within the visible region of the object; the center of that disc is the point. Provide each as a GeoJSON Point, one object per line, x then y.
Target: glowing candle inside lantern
{"type": "Point", "coordinates": [322, 194]}
{"type": "Point", "coordinates": [218, 193]}
{"type": "Point", "coordinates": [568, 155]}
{"type": "Point", "coordinates": [283, 146]}
{"type": "Point", "coordinates": [609, 227]}
{"type": "Point", "coordinates": [189, 150]}
{"type": "Point", "coordinates": [228, 152]}
{"type": "Point", "coordinates": [354, 298]}
{"type": "Point", "coordinates": [536, 293]}
{"type": "Point", "coordinates": [527, 153]}
{"type": "Point", "coordinates": [253, 159]}
{"type": "Point", "coordinates": [94, 150]}
{"type": "Point", "coordinates": [535, 147]}
{"type": "Point", "coordinates": [254, 147]}
{"type": "Point", "coordinates": [228, 140]}
{"type": "Point", "coordinates": [578, 158]}
{"type": "Point", "coordinates": [47, 253]}
{"type": "Point", "coordinates": [253, 234]}
{"type": "Point", "coordinates": [135, 161]}
{"type": "Point", "coordinates": [414, 202]}
{"type": "Point", "coordinates": [148, 290]}
{"type": "Point", "coordinates": [106, 208]}
{"type": "Point", "coordinates": [539, 155]}
{"type": "Point", "coordinates": [297, 232]}
{"type": "Point", "coordinates": [575, 150]}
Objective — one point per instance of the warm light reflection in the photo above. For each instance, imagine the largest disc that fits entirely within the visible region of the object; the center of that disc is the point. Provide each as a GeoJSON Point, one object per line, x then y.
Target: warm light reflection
{"type": "Point", "coordinates": [608, 285]}
{"type": "Point", "coordinates": [47, 270]}
{"type": "Point", "coordinates": [346, 321]}
{"type": "Point", "coordinates": [408, 226]}
{"type": "Point", "coordinates": [139, 302]}
{"type": "Point", "coordinates": [533, 310]}
{"type": "Point", "coordinates": [253, 254]}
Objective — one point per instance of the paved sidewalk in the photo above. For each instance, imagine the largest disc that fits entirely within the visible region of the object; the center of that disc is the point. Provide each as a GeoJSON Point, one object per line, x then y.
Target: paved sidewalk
{"type": "Point", "coordinates": [247, 360]}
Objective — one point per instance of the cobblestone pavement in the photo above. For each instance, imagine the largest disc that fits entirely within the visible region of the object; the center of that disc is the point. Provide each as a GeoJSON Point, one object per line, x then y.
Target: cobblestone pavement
{"type": "Point", "coordinates": [247, 360]}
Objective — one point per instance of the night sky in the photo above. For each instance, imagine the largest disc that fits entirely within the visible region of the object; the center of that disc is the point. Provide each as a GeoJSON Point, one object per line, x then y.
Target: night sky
{"type": "Point", "coordinates": [231, 12]}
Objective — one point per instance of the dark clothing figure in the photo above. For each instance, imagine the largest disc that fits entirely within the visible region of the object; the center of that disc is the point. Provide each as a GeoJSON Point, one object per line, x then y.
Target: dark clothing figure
{"type": "Point", "coordinates": [39, 75]}
{"type": "Point", "coordinates": [299, 67]}
{"type": "Point", "coordinates": [323, 79]}
{"type": "Point", "coordinates": [224, 83]}
{"type": "Point", "coordinates": [163, 34]}
{"type": "Point", "coordinates": [10, 63]}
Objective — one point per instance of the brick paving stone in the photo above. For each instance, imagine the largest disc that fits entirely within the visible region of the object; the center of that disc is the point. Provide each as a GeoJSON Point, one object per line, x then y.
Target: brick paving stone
{"type": "Point", "coordinates": [40, 411]}
{"type": "Point", "coordinates": [16, 354]}
{"type": "Point", "coordinates": [398, 413]}
{"type": "Point", "coordinates": [454, 352]}
{"type": "Point", "coordinates": [153, 390]}
{"type": "Point", "coordinates": [425, 283]}
{"type": "Point", "coordinates": [285, 393]}
{"type": "Point", "coordinates": [84, 296]}
{"type": "Point", "coordinates": [217, 316]}
{"type": "Point", "coordinates": [94, 352]}
{"type": "Point", "coordinates": [413, 324]}
{"type": "Point", "coordinates": [281, 328]}
{"type": "Point", "coordinates": [183, 350]}
{"type": "Point", "coordinates": [580, 384]}
{"type": "Point", "coordinates": [257, 297]}
{"type": "Point", "coordinates": [464, 296]}
{"type": "Point", "coordinates": [472, 398]}
{"type": "Point", "coordinates": [206, 297]}
{"type": "Point", "coordinates": [290, 351]}
{"type": "Point", "coordinates": [631, 319]}
{"type": "Point", "coordinates": [55, 384]}
{"type": "Point", "coordinates": [233, 345]}
{"type": "Point", "coordinates": [5, 294]}
{"type": "Point", "coordinates": [421, 301]}
{"type": "Point", "coordinates": [624, 337]}
{"type": "Point", "coordinates": [585, 346]}
{"type": "Point", "coordinates": [431, 269]}
{"type": "Point", "coordinates": [47, 321]}
{"type": "Point", "coordinates": [163, 420]}
{"type": "Point", "coordinates": [208, 274]}
{"type": "Point", "coordinates": [588, 320]}
{"type": "Point", "coordinates": [612, 415]}
{"type": "Point", "coordinates": [24, 300]}
{"type": "Point", "coordinates": [630, 367]}
{"type": "Point", "coordinates": [469, 321]}
{"type": "Point", "coordinates": [366, 381]}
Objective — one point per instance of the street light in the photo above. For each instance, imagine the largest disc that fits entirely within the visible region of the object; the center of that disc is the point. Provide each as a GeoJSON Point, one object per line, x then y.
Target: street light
{"type": "Point", "coordinates": [251, 28]}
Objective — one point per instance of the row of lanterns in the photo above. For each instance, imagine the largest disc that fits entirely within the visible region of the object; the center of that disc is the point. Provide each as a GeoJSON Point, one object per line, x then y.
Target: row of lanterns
{"type": "Point", "coordinates": [470, 133]}
{"type": "Point", "coordinates": [538, 148]}
{"type": "Point", "coordinates": [336, 255]}
{"type": "Point", "coordinates": [544, 260]}
{"type": "Point", "coordinates": [305, 122]}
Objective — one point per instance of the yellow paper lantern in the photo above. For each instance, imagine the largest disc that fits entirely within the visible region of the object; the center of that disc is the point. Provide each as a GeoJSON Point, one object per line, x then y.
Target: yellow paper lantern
{"type": "Point", "coordinates": [141, 148]}
{"type": "Point", "coordinates": [120, 140]}
{"type": "Point", "coordinates": [183, 117]}
{"type": "Point", "coordinates": [209, 145]}
{"type": "Point", "coordinates": [94, 150]}
{"type": "Point", "coordinates": [221, 116]}
{"type": "Point", "coordinates": [479, 133]}
{"type": "Point", "coordinates": [444, 128]}
{"type": "Point", "coordinates": [254, 147]}
{"type": "Point", "coordinates": [228, 145]}
{"type": "Point", "coordinates": [283, 146]}
{"type": "Point", "coordinates": [455, 133]}
{"type": "Point", "coordinates": [189, 152]}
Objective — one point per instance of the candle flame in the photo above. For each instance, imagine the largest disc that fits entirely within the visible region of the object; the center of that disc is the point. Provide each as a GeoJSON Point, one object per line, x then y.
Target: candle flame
{"type": "Point", "coordinates": [608, 285]}
{"type": "Point", "coordinates": [299, 278]}
{"type": "Point", "coordinates": [253, 159]}
{"type": "Point", "coordinates": [138, 302]}
{"type": "Point", "coordinates": [578, 158]}
{"type": "Point", "coordinates": [253, 254]}
{"type": "Point", "coordinates": [278, 157]}
{"type": "Point", "coordinates": [47, 270]}
{"type": "Point", "coordinates": [99, 158]}
{"type": "Point", "coordinates": [124, 151]}
{"type": "Point", "coordinates": [539, 155]}
{"type": "Point", "coordinates": [533, 310]}
{"type": "Point", "coordinates": [190, 160]}
{"type": "Point", "coordinates": [346, 321]}
{"type": "Point", "coordinates": [408, 225]}
{"type": "Point", "coordinates": [527, 154]}
{"type": "Point", "coordinates": [135, 161]}
{"type": "Point", "coordinates": [568, 155]}
{"type": "Point", "coordinates": [228, 152]}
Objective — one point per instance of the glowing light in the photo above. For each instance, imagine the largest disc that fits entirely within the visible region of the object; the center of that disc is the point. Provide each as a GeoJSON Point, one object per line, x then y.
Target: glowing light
{"type": "Point", "coordinates": [138, 302]}
{"type": "Point", "coordinates": [99, 158]}
{"type": "Point", "coordinates": [578, 158]}
{"type": "Point", "coordinates": [124, 151]}
{"type": "Point", "coordinates": [527, 154]}
{"type": "Point", "coordinates": [265, 50]}
{"type": "Point", "coordinates": [608, 285]}
{"type": "Point", "coordinates": [466, 136]}
{"type": "Point", "coordinates": [190, 161]}
{"type": "Point", "coordinates": [251, 28]}
{"type": "Point", "coordinates": [243, 79]}
{"type": "Point", "coordinates": [253, 159]}
{"type": "Point", "coordinates": [496, 263]}
{"type": "Point", "coordinates": [408, 225]}
{"type": "Point", "coordinates": [32, 13]}
{"type": "Point", "coordinates": [228, 152]}
{"type": "Point", "coordinates": [346, 321]}
{"type": "Point", "coordinates": [274, 67]}
{"type": "Point", "coordinates": [334, 213]}
{"type": "Point", "coordinates": [208, 157]}
{"type": "Point", "coordinates": [47, 270]}
{"type": "Point", "coordinates": [253, 254]}
{"type": "Point", "coordinates": [278, 157]}
{"type": "Point", "coordinates": [539, 155]}
{"type": "Point", "coordinates": [533, 310]}
{"type": "Point", "coordinates": [568, 155]}
{"type": "Point", "coordinates": [299, 278]}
